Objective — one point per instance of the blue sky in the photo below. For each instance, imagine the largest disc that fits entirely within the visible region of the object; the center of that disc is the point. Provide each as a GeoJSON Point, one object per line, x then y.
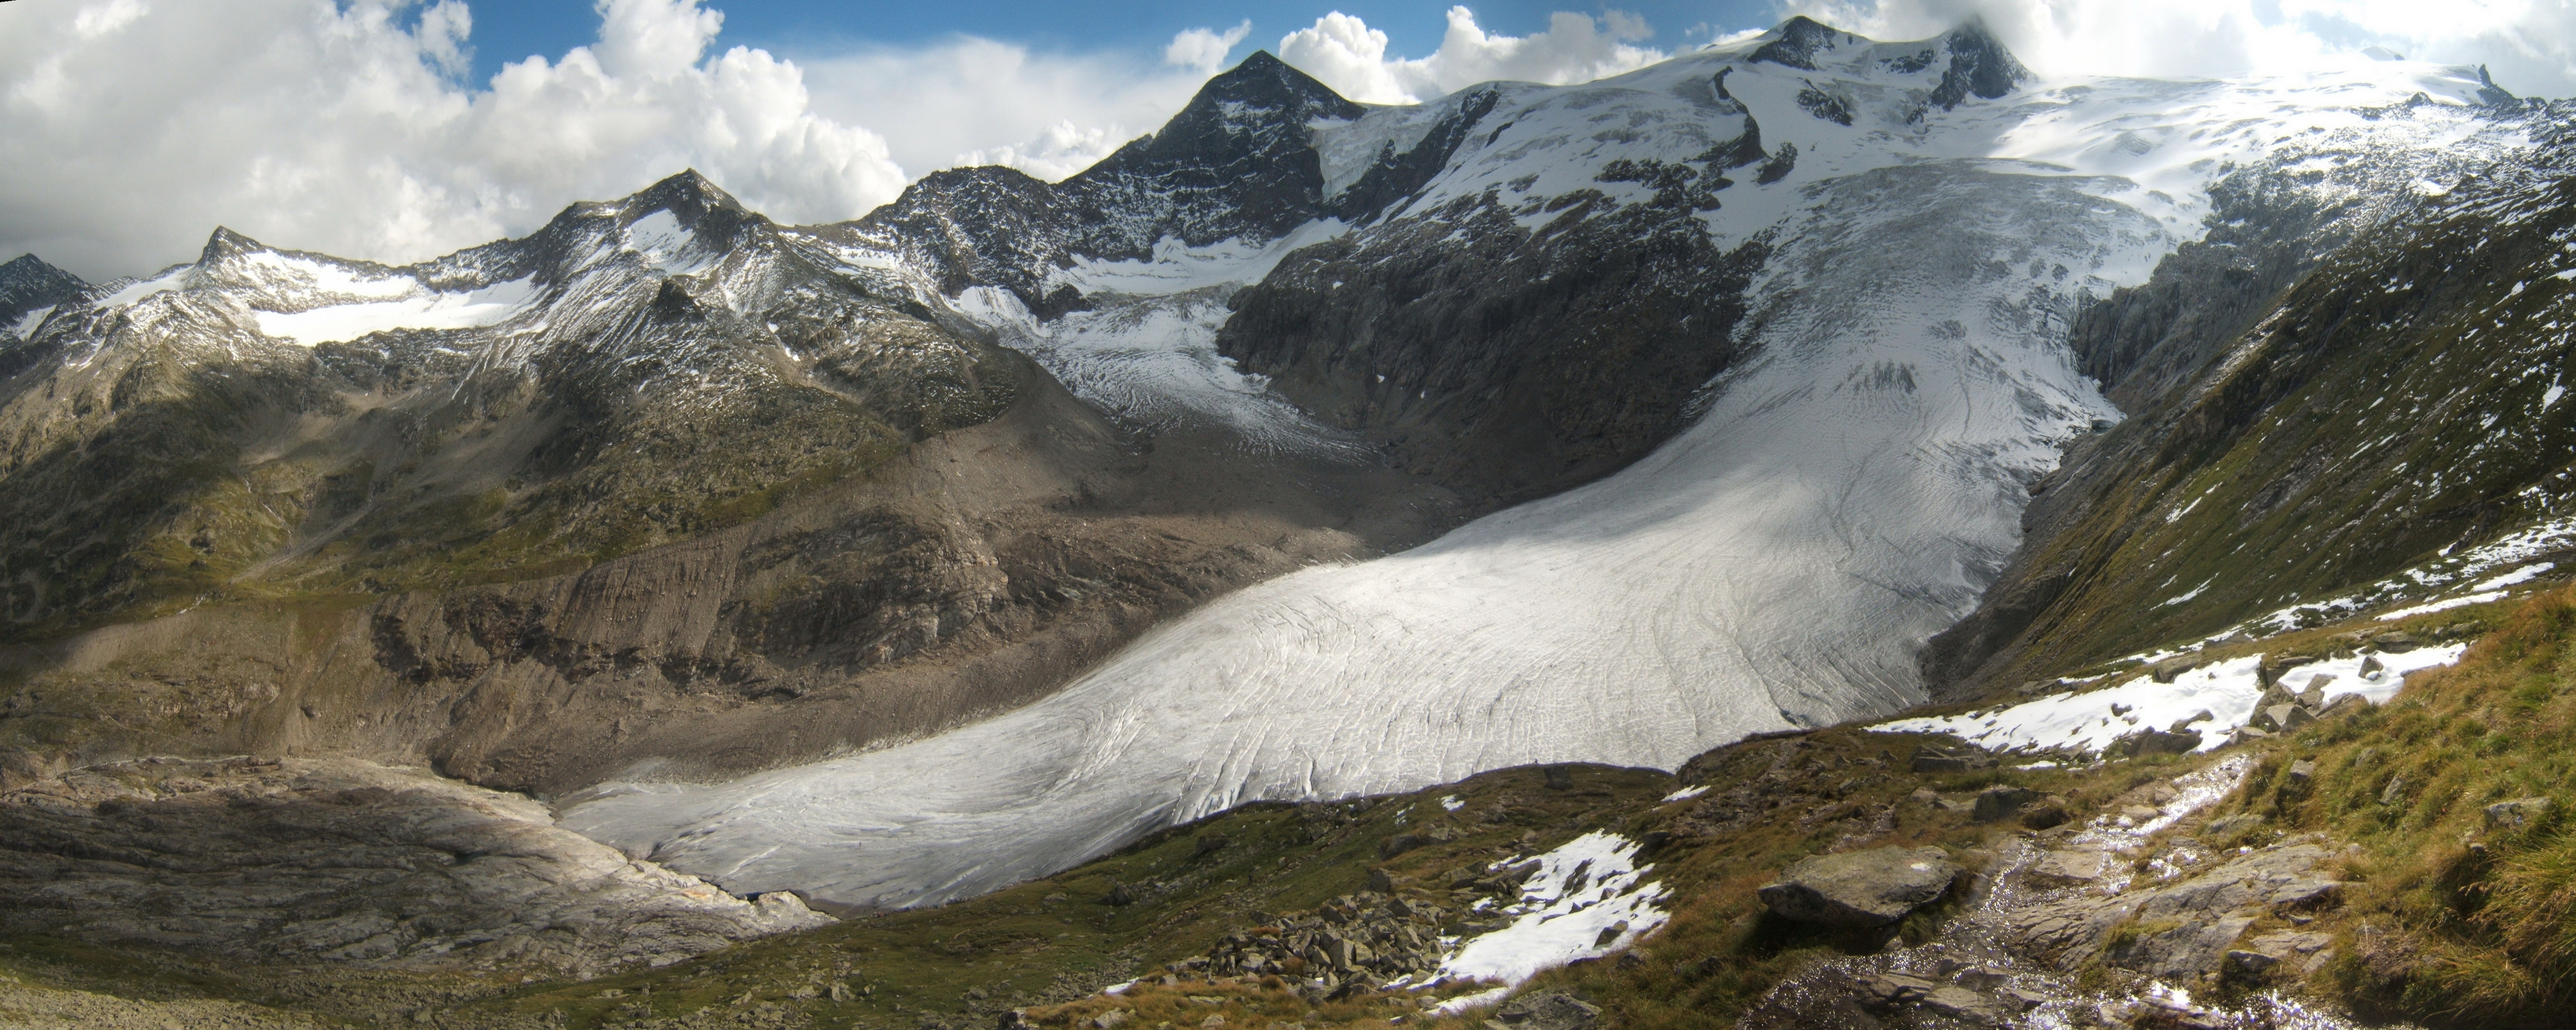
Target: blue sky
{"type": "Point", "coordinates": [506, 32]}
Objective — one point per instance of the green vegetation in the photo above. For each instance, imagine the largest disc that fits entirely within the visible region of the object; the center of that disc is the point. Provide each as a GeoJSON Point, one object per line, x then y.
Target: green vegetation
{"type": "Point", "coordinates": [2461, 918]}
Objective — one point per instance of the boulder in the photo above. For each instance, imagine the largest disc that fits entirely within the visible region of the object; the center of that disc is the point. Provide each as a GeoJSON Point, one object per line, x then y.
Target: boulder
{"type": "Point", "coordinates": [2517, 813]}
{"type": "Point", "coordinates": [1400, 843]}
{"type": "Point", "coordinates": [2172, 668]}
{"type": "Point", "coordinates": [2151, 741]}
{"type": "Point", "coordinates": [2000, 802]}
{"type": "Point", "coordinates": [1857, 889]}
{"type": "Point", "coordinates": [2044, 813]}
{"type": "Point", "coordinates": [2397, 642]}
{"type": "Point", "coordinates": [1549, 1010]}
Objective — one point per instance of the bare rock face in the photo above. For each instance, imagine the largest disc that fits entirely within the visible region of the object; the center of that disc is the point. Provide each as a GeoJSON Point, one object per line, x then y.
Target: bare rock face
{"type": "Point", "coordinates": [341, 860]}
{"type": "Point", "coordinates": [1861, 888]}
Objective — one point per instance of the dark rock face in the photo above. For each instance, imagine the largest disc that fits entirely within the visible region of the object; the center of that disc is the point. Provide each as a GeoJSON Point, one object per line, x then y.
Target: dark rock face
{"type": "Point", "coordinates": [1860, 889]}
{"type": "Point", "coordinates": [1800, 39]}
{"type": "Point", "coordinates": [1512, 364]}
{"type": "Point", "coordinates": [27, 283]}
{"type": "Point", "coordinates": [1979, 66]}
{"type": "Point", "coordinates": [1235, 162]}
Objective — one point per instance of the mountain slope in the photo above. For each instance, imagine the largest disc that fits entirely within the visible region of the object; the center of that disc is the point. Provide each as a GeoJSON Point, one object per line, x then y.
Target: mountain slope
{"type": "Point", "coordinates": [628, 489]}
{"type": "Point", "coordinates": [1914, 251]}
{"type": "Point", "coordinates": [2398, 407]}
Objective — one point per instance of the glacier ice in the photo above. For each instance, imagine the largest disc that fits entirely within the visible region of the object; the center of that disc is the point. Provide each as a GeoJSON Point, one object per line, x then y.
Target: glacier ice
{"type": "Point", "coordinates": [1848, 491]}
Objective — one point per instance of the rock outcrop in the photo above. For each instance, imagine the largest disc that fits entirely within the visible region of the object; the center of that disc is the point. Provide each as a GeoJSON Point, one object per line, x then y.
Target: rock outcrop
{"type": "Point", "coordinates": [1859, 889]}
{"type": "Point", "coordinates": [340, 860]}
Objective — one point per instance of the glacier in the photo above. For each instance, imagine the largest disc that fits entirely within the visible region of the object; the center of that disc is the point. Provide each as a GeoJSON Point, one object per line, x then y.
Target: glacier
{"type": "Point", "coordinates": [1841, 496]}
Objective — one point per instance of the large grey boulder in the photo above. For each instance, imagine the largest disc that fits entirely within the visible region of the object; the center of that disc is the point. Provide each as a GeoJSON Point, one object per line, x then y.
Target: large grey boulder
{"type": "Point", "coordinates": [1552, 1010]}
{"type": "Point", "coordinates": [1860, 888]}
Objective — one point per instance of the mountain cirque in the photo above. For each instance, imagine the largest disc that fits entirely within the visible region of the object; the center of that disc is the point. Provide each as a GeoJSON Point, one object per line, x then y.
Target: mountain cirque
{"type": "Point", "coordinates": [708, 528]}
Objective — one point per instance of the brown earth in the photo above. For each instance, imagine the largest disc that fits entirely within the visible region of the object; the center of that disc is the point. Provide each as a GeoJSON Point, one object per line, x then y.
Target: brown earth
{"type": "Point", "coordinates": [978, 571]}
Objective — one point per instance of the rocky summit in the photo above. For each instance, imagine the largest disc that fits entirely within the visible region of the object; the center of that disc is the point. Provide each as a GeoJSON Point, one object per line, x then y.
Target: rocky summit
{"type": "Point", "coordinates": [1813, 532]}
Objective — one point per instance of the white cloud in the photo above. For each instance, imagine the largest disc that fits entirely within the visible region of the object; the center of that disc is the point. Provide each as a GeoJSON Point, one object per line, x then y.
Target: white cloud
{"type": "Point", "coordinates": [1343, 52]}
{"type": "Point", "coordinates": [1204, 49]}
{"type": "Point", "coordinates": [127, 130]}
{"type": "Point", "coordinates": [968, 101]}
{"type": "Point", "coordinates": [2529, 45]}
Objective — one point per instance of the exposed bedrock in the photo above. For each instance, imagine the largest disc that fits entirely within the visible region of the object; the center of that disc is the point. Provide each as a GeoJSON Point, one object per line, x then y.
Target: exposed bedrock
{"type": "Point", "coordinates": [975, 573]}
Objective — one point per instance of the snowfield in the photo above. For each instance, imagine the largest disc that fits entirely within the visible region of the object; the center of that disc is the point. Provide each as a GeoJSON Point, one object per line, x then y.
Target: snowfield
{"type": "Point", "coordinates": [1848, 492]}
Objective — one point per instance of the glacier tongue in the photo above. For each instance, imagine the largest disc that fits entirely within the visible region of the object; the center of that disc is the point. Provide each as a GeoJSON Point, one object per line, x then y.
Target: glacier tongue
{"type": "Point", "coordinates": [1845, 494]}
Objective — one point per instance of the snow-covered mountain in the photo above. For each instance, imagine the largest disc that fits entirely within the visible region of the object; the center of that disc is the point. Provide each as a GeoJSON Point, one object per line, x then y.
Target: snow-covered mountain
{"type": "Point", "coordinates": [1828, 282]}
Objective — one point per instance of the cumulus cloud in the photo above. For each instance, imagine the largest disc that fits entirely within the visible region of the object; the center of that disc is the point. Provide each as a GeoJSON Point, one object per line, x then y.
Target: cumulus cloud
{"type": "Point", "coordinates": [1204, 49]}
{"type": "Point", "coordinates": [1343, 52]}
{"type": "Point", "coordinates": [972, 101]}
{"type": "Point", "coordinates": [128, 129]}
{"type": "Point", "coordinates": [2528, 45]}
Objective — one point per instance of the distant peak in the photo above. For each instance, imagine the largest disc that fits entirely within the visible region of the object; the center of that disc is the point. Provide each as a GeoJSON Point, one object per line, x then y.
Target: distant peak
{"type": "Point", "coordinates": [1980, 65]}
{"type": "Point", "coordinates": [225, 243]}
{"type": "Point", "coordinates": [688, 194]}
{"type": "Point", "coordinates": [1262, 80]}
{"type": "Point", "coordinates": [1796, 43]}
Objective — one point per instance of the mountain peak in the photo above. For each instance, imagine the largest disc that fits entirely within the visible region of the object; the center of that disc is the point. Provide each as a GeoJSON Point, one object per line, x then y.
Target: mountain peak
{"type": "Point", "coordinates": [1979, 65]}
{"type": "Point", "coordinates": [688, 194]}
{"type": "Point", "coordinates": [28, 283]}
{"type": "Point", "coordinates": [1265, 82]}
{"type": "Point", "coordinates": [1796, 42]}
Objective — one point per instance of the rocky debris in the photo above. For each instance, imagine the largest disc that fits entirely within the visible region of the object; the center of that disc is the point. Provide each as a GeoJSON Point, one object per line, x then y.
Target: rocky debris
{"type": "Point", "coordinates": [2181, 928]}
{"type": "Point", "coordinates": [1352, 942]}
{"type": "Point", "coordinates": [2517, 813]}
{"type": "Point", "coordinates": [340, 860]}
{"type": "Point", "coordinates": [1549, 1010]}
{"type": "Point", "coordinates": [1860, 889]}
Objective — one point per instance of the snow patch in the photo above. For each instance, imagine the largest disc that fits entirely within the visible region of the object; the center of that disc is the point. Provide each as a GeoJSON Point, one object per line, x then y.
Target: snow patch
{"type": "Point", "coordinates": [667, 247]}
{"type": "Point", "coordinates": [26, 326]}
{"type": "Point", "coordinates": [490, 305]}
{"type": "Point", "coordinates": [170, 280]}
{"type": "Point", "coordinates": [1451, 803]}
{"type": "Point", "coordinates": [1686, 793]}
{"type": "Point", "coordinates": [2227, 690]}
{"type": "Point", "coordinates": [1582, 889]}
{"type": "Point", "coordinates": [2443, 605]}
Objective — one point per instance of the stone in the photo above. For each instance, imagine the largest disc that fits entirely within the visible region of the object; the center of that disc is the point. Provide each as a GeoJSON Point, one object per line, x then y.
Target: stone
{"type": "Point", "coordinates": [1894, 988]}
{"type": "Point", "coordinates": [2397, 642]}
{"type": "Point", "coordinates": [1930, 758]}
{"type": "Point", "coordinates": [1013, 1019]}
{"type": "Point", "coordinates": [1859, 889]}
{"type": "Point", "coordinates": [1110, 1020]}
{"type": "Point", "coordinates": [1120, 895]}
{"type": "Point", "coordinates": [2247, 965]}
{"type": "Point", "coordinates": [2176, 741]}
{"type": "Point", "coordinates": [2343, 705]}
{"type": "Point", "coordinates": [1400, 843]}
{"type": "Point", "coordinates": [2517, 813]}
{"type": "Point", "coordinates": [1983, 978]}
{"type": "Point", "coordinates": [2045, 813]}
{"type": "Point", "coordinates": [2001, 801]}
{"type": "Point", "coordinates": [2172, 668]}
{"type": "Point", "coordinates": [2303, 772]}
{"type": "Point", "coordinates": [2068, 868]}
{"type": "Point", "coordinates": [1381, 881]}
{"type": "Point", "coordinates": [2228, 826]}
{"type": "Point", "coordinates": [2203, 715]}
{"type": "Point", "coordinates": [1549, 1010]}
{"type": "Point", "coordinates": [2190, 949]}
{"type": "Point", "coordinates": [1963, 1004]}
